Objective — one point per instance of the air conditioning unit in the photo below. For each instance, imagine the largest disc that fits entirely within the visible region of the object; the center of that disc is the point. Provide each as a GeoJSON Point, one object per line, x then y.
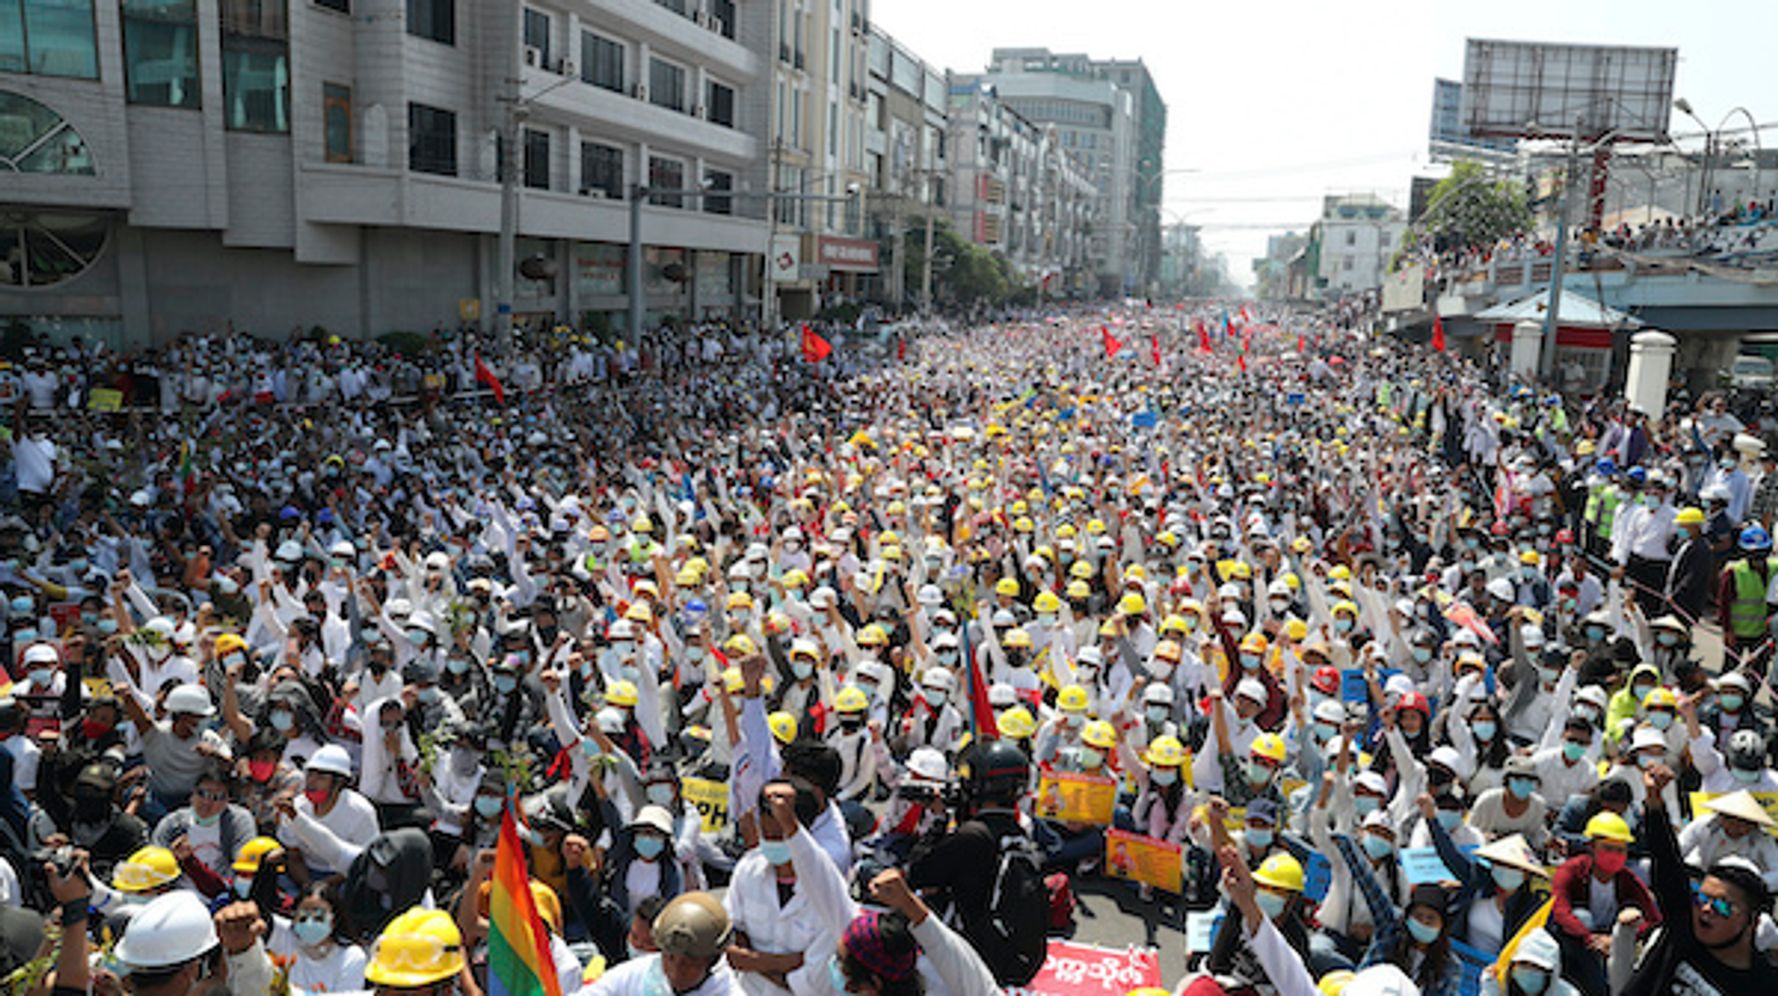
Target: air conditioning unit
{"type": "Point", "coordinates": [533, 56]}
{"type": "Point", "coordinates": [702, 19]}
{"type": "Point", "coordinates": [698, 111]}
{"type": "Point", "coordinates": [639, 91]}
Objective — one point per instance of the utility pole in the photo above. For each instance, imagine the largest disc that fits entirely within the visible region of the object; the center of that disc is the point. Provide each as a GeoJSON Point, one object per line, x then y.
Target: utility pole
{"type": "Point", "coordinates": [926, 273]}
{"type": "Point", "coordinates": [633, 264]}
{"type": "Point", "coordinates": [1546, 361]}
{"type": "Point", "coordinates": [504, 263]}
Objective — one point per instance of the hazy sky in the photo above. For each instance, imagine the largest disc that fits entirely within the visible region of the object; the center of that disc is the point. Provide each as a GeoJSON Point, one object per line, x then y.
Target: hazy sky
{"type": "Point", "coordinates": [1277, 103]}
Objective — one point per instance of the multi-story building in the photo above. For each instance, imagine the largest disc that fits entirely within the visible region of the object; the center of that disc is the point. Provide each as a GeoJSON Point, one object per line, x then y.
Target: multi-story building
{"type": "Point", "coordinates": [1116, 129]}
{"type": "Point", "coordinates": [816, 150]}
{"type": "Point", "coordinates": [179, 164]}
{"type": "Point", "coordinates": [905, 156]}
{"type": "Point", "coordinates": [1272, 271]}
{"type": "Point", "coordinates": [1352, 242]}
{"type": "Point", "coordinates": [1019, 193]}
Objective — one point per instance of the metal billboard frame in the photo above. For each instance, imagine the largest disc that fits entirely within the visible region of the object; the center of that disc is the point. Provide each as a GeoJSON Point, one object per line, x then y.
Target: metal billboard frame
{"type": "Point", "coordinates": [1515, 89]}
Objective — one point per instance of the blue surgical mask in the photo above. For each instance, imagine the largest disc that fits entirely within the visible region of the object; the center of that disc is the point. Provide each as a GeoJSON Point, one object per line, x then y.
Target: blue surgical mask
{"type": "Point", "coordinates": [25, 635]}
{"type": "Point", "coordinates": [1325, 732]}
{"type": "Point", "coordinates": [835, 977]}
{"type": "Point", "coordinates": [1420, 932]}
{"type": "Point", "coordinates": [106, 626]}
{"type": "Point", "coordinates": [1660, 720]}
{"type": "Point", "coordinates": [1521, 788]}
{"type": "Point", "coordinates": [282, 721]}
{"type": "Point", "coordinates": [935, 697]}
{"type": "Point", "coordinates": [1249, 662]}
{"type": "Point", "coordinates": [661, 794]}
{"type": "Point", "coordinates": [776, 852]}
{"type": "Point", "coordinates": [1259, 836]}
{"type": "Point", "coordinates": [42, 676]}
{"type": "Point", "coordinates": [457, 665]}
{"type": "Point", "coordinates": [1091, 758]}
{"type": "Point", "coordinates": [429, 694]}
{"type": "Point", "coordinates": [487, 806]}
{"type": "Point", "coordinates": [22, 605]}
{"type": "Point", "coordinates": [1507, 879]}
{"type": "Point", "coordinates": [1158, 714]}
{"type": "Point", "coordinates": [1744, 775]}
{"type": "Point", "coordinates": [1449, 819]}
{"type": "Point", "coordinates": [505, 683]}
{"type": "Point", "coordinates": [1257, 773]}
{"type": "Point", "coordinates": [1572, 752]}
{"type": "Point", "coordinates": [802, 667]}
{"type": "Point", "coordinates": [243, 886]}
{"type": "Point", "coordinates": [1378, 847]}
{"type": "Point", "coordinates": [649, 847]}
{"type": "Point", "coordinates": [313, 932]}
{"type": "Point", "coordinates": [1343, 624]}
{"type": "Point", "coordinates": [1423, 654]}
{"type": "Point", "coordinates": [1163, 776]}
{"type": "Point", "coordinates": [1732, 701]}
{"type": "Point", "coordinates": [1532, 980]}
{"type": "Point", "coordinates": [1365, 804]}
{"type": "Point", "coordinates": [1485, 729]}
{"type": "Point", "coordinates": [1270, 903]}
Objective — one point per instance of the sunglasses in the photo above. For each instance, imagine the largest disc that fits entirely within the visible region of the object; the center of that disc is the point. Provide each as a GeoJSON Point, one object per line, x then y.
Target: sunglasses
{"type": "Point", "coordinates": [211, 795]}
{"type": "Point", "coordinates": [1715, 904]}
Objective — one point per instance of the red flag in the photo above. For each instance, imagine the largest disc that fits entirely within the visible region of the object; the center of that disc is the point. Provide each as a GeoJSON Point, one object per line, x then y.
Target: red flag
{"type": "Point", "coordinates": [1241, 361]}
{"type": "Point", "coordinates": [1302, 343]}
{"type": "Point", "coordinates": [901, 347]}
{"type": "Point", "coordinates": [1246, 315]}
{"type": "Point", "coordinates": [815, 348]}
{"type": "Point", "coordinates": [1246, 340]}
{"type": "Point", "coordinates": [1438, 334]}
{"type": "Point", "coordinates": [485, 376]}
{"type": "Point", "coordinates": [1203, 336]}
{"type": "Point", "coordinates": [1154, 349]}
{"type": "Point", "coordinates": [1111, 345]}
{"type": "Point", "coordinates": [981, 710]}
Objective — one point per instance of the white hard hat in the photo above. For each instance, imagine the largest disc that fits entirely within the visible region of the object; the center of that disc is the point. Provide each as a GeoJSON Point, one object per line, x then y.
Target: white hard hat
{"type": "Point", "coordinates": [398, 608]}
{"type": "Point", "coordinates": [438, 560]}
{"type": "Point", "coordinates": [1330, 711]}
{"type": "Point", "coordinates": [1466, 638]}
{"type": "Point", "coordinates": [41, 653]}
{"type": "Point", "coordinates": [289, 550]}
{"type": "Point", "coordinates": [1501, 588]}
{"type": "Point", "coordinates": [806, 646]}
{"type": "Point", "coordinates": [1251, 689]}
{"type": "Point", "coordinates": [824, 597]}
{"type": "Point", "coordinates": [610, 719]}
{"type": "Point", "coordinates": [928, 764]}
{"type": "Point", "coordinates": [1532, 635]}
{"type": "Point", "coordinates": [169, 930]}
{"type": "Point", "coordinates": [1157, 693]}
{"type": "Point", "coordinates": [1371, 781]}
{"type": "Point", "coordinates": [160, 626]}
{"type": "Point", "coordinates": [331, 759]}
{"type": "Point", "coordinates": [1446, 757]}
{"type": "Point", "coordinates": [1001, 695]}
{"type": "Point", "coordinates": [422, 620]}
{"type": "Point", "coordinates": [1091, 655]}
{"type": "Point", "coordinates": [1004, 617]}
{"type": "Point", "coordinates": [343, 550]}
{"type": "Point", "coordinates": [621, 629]}
{"type": "Point", "coordinates": [930, 596]}
{"type": "Point", "coordinates": [876, 672]}
{"type": "Point", "coordinates": [1647, 736]}
{"type": "Point", "coordinates": [938, 677]}
{"type": "Point", "coordinates": [191, 700]}
{"type": "Point", "coordinates": [944, 641]}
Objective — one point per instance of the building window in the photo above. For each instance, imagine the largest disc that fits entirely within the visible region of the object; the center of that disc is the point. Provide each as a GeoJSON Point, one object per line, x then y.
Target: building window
{"type": "Point", "coordinates": [602, 62]}
{"type": "Point", "coordinates": [676, 6]}
{"type": "Point", "coordinates": [35, 139]}
{"type": "Point", "coordinates": [722, 14]}
{"type": "Point", "coordinates": [666, 174]}
{"type": "Point", "coordinates": [343, 6]}
{"type": "Point", "coordinates": [41, 250]}
{"type": "Point", "coordinates": [720, 104]}
{"type": "Point", "coordinates": [714, 180]}
{"type": "Point", "coordinates": [1351, 237]}
{"type": "Point", "coordinates": [256, 65]}
{"type": "Point", "coordinates": [666, 85]}
{"type": "Point", "coordinates": [537, 37]}
{"type": "Point", "coordinates": [160, 52]}
{"type": "Point", "coordinates": [49, 38]}
{"type": "Point", "coordinates": [602, 168]}
{"type": "Point", "coordinates": [536, 159]}
{"type": "Point", "coordinates": [833, 129]}
{"type": "Point", "coordinates": [431, 140]}
{"type": "Point", "coordinates": [336, 121]}
{"type": "Point", "coordinates": [434, 19]}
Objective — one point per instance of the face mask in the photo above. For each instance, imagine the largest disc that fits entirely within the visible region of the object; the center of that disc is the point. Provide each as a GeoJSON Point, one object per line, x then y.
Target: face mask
{"type": "Point", "coordinates": [1532, 980]}
{"type": "Point", "coordinates": [487, 806]}
{"type": "Point", "coordinates": [1449, 819]}
{"type": "Point", "coordinates": [1279, 606]}
{"type": "Point", "coordinates": [457, 665]}
{"type": "Point", "coordinates": [418, 637]}
{"type": "Point", "coordinates": [661, 794]}
{"type": "Point", "coordinates": [312, 932]}
{"type": "Point", "coordinates": [1572, 752]}
{"type": "Point", "coordinates": [261, 771]}
{"type": "Point", "coordinates": [1660, 720]}
{"type": "Point", "coordinates": [1595, 633]}
{"type": "Point", "coordinates": [243, 886]}
{"type": "Point", "coordinates": [776, 852]}
{"type": "Point", "coordinates": [649, 847]}
{"type": "Point", "coordinates": [1521, 788]}
{"type": "Point", "coordinates": [428, 695]}
{"type": "Point", "coordinates": [1046, 620]}
{"type": "Point", "coordinates": [1270, 903]}
{"type": "Point", "coordinates": [742, 616]}
{"type": "Point", "coordinates": [1365, 804]}
{"type": "Point", "coordinates": [1609, 862]}
{"type": "Point", "coordinates": [1422, 654]}
{"type": "Point", "coordinates": [1259, 836]}
{"type": "Point", "coordinates": [21, 636]}
{"type": "Point", "coordinates": [1090, 758]}
{"type": "Point", "coordinates": [1745, 776]}
{"type": "Point", "coordinates": [1257, 773]}
{"type": "Point", "coordinates": [42, 676]}
{"type": "Point", "coordinates": [505, 683]}
{"type": "Point", "coordinates": [1249, 662]}
{"type": "Point", "coordinates": [1163, 776]}
{"type": "Point", "coordinates": [801, 668]}
{"type": "Point", "coordinates": [1422, 933]}
{"type": "Point", "coordinates": [316, 797]}
{"type": "Point", "coordinates": [1158, 714]}
{"type": "Point", "coordinates": [1485, 729]}
{"type": "Point", "coordinates": [22, 606]}
{"type": "Point", "coordinates": [1732, 702]}
{"type": "Point", "coordinates": [1378, 847]}
{"type": "Point", "coordinates": [106, 626]}
{"type": "Point", "coordinates": [935, 697]}
{"type": "Point", "coordinates": [282, 721]}
{"type": "Point", "coordinates": [835, 977]}
{"type": "Point", "coordinates": [205, 821]}
{"type": "Point", "coordinates": [1343, 624]}
{"type": "Point", "coordinates": [1507, 879]}
{"type": "Point", "coordinates": [1589, 714]}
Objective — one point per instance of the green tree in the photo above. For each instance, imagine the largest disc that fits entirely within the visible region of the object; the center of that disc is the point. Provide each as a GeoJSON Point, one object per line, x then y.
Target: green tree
{"type": "Point", "coordinates": [1468, 208]}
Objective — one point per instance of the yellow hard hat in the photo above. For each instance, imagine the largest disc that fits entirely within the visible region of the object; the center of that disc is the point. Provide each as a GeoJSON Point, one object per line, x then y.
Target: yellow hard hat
{"type": "Point", "coordinates": [1018, 508]}
{"type": "Point", "coordinates": [1269, 746]}
{"type": "Point", "coordinates": [1529, 558]}
{"type": "Point", "coordinates": [888, 538]}
{"type": "Point", "coordinates": [1132, 604]}
{"type": "Point", "coordinates": [1047, 602]}
{"type": "Point", "coordinates": [621, 693]}
{"type": "Point", "coordinates": [1072, 699]}
{"type": "Point", "coordinates": [639, 612]}
{"type": "Point", "coordinates": [642, 525]}
{"type": "Point", "coordinates": [418, 948]}
{"type": "Point", "coordinates": [1023, 524]}
{"type": "Point", "coordinates": [1691, 515]}
{"type": "Point", "coordinates": [1660, 698]}
{"type": "Point", "coordinates": [1165, 752]}
{"type": "Point", "coordinates": [149, 868]}
{"type": "Point", "coordinates": [794, 579]}
{"type": "Point", "coordinates": [1296, 629]}
{"type": "Point", "coordinates": [739, 600]}
{"type": "Point", "coordinates": [851, 699]}
{"type": "Point", "coordinates": [1254, 641]}
{"type": "Point", "coordinates": [740, 645]}
{"type": "Point", "coordinates": [1080, 570]}
{"type": "Point", "coordinates": [1168, 538]}
{"type": "Point", "coordinates": [1095, 527]}
{"type": "Point", "coordinates": [1017, 723]}
{"type": "Point", "coordinates": [1018, 638]}
{"type": "Point", "coordinates": [1291, 581]}
{"type": "Point", "coordinates": [783, 726]}
{"type": "Point", "coordinates": [1167, 650]}
{"type": "Point", "coordinates": [1135, 572]}
{"type": "Point", "coordinates": [1174, 624]}
{"type": "Point", "coordinates": [228, 643]}
{"type": "Point", "coordinates": [1099, 734]}
{"type": "Point", "coordinates": [1066, 531]}
{"type": "Point", "coordinates": [1280, 871]}
{"type": "Point", "coordinates": [252, 852]}
{"type": "Point", "coordinates": [1078, 589]}
{"type": "Point", "coordinates": [872, 636]}
{"type": "Point", "coordinates": [1241, 570]}
{"type": "Point", "coordinates": [1007, 586]}
{"type": "Point", "coordinates": [1609, 826]}
{"type": "Point", "coordinates": [1345, 605]}
{"type": "Point", "coordinates": [1340, 572]}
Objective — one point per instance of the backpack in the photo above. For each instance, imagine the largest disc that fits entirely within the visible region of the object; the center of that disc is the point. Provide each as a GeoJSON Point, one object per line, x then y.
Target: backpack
{"type": "Point", "coordinates": [1015, 935]}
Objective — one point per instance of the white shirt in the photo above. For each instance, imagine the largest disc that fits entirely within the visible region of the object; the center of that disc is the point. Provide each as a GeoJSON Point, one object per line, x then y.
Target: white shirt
{"type": "Point", "coordinates": [810, 924]}
{"type": "Point", "coordinates": [341, 969]}
{"type": "Point", "coordinates": [35, 460]}
{"type": "Point", "coordinates": [25, 757]}
{"type": "Point", "coordinates": [329, 843]}
{"type": "Point", "coordinates": [643, 977]}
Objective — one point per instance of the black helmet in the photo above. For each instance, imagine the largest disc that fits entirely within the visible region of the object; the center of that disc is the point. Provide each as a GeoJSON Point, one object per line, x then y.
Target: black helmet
{"type": "Point", "coordinates": [1747, 751]}
{"type": "Point", "coordinates": [995, 771]}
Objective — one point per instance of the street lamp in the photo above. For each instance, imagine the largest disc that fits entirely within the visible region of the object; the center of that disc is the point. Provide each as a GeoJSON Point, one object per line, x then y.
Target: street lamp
{"type": "Point", "coordinates": [1713, 145]}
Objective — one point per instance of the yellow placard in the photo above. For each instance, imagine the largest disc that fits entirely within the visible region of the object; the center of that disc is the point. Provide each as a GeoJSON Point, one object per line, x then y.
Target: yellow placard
{"type": "Point", "coordinates": [1076, 798]}
{"type": "Point", "coordinates": [469, 309]}
{"type": "Point", "coordinates": [1767, 800]}
{"type": "Point", "coordinates": [104, 399]}
{"type": "Point", "coordinates": [711, 798]}
{"type": "Point", "coordinates": [1144, 859]}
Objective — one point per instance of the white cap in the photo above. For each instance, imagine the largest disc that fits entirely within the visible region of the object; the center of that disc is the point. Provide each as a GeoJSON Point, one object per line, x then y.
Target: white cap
{"type": "Point", "coordinates": [1647, 736]}
{"type": "Point", "coordinates": [1466, 638]}
{"type": "Point", "coordinates": [823, 597]}
{"type": "Point", "coordinates": [1370, 781]}
{"type": "Point", "coordinates": [927, 764]}
{"type": "Point", "coordinates": [331, 759]}
{"type": "Point", "coordinates": [930, 596]}
{"type": "Point", "coordinates": [655, 818]}
{"type": "Point", "coordinates": [289, 550]}
{"type": "Point", "coordinates": [944, 641]}
{"type": "Point", "coordinates": [1398, 685]}
{"type": "Point", "coordinates": [190, 700]}
{"type": "Point", "coordinates": [1251, 689]}
{"type": "Point", "coordinates": [438, 560]}
{"type": "Point", "coordinates": [1090, 655]}
{"type": "Point", "coordinates": [1447, 757]}
{"type": "Point", "coordinates": [397, 608]}
{"type": "Point", "coordinates": [1532, 635]}
{"type": "Point", "coordinates": [169, 930]}
{"type": "Point", "coordinates": [1001, 694]}
{"type": "Point", "coordinates": [621, 629]}
{"type": "Point", "coordinates": [41, 653]}
{"type": "Point", "coordinates": [1501, 588]}
{"type": "Point", "coordinates": [1157, 693]}
{"type": "Point", "coordinates": [938, 677]}
{"type": "Point", "coordinates": [804, 645]}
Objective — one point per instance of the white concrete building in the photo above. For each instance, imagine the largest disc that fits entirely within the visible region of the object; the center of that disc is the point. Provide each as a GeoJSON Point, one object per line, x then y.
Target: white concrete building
{"type": "Point", "coordinates": [1356, 235]}
{"type": "Point", "coordinates": [172, 165]}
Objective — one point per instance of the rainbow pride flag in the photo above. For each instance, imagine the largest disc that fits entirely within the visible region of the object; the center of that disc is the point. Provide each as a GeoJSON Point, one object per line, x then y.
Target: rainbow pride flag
{"type": "Point", "coordinates": [519, 962]}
